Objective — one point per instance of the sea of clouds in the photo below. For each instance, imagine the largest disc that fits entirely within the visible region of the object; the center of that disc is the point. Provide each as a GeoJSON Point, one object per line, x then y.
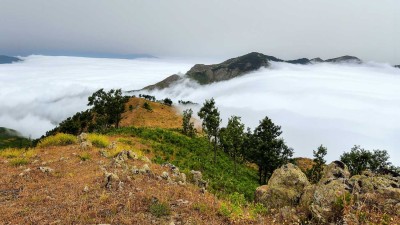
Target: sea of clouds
{"type": "Point", "coordinates": [338, 106]}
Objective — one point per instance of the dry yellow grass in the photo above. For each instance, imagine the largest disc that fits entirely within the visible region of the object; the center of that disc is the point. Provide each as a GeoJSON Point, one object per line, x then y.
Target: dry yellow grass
{"type": "Point", "coordinates": [161, 116]}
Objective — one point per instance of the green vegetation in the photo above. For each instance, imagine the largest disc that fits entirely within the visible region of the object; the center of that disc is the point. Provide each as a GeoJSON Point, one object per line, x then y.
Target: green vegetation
{"type": "Point", "coordinates": [167, 101]}
{"type": "Point", "coordinates": [211, 121]}
{"type": "Point", "coordinates": [359, 159]}
{"type": "Point", "coordinates": [160, 209]}
{"type": "Point", "coordinates": [84, 156]}
{"type": "Point", "coordinates": [187, 126]}
{"type": "Point", "coordinates": [10, 138]}
{"type": "Point", "coordinates": [266, 149]}
{"type": "Point", "coordinates": [98, 140]}
{"type": "Point", "coordinates": [147, 106]}
{"type": "Point", "coordinates": [194, 154]}
{"type": "Point", "coordinates": [57, 140]}
{"type": "Point", "coordinates": [108, 107]}
{"type": "Point", "coordinates": [315, 173]}
{"type": "Point", "coordinates": [19, 161]}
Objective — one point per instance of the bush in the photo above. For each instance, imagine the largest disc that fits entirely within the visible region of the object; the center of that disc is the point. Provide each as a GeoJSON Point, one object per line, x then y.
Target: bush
{"type": "Point", "coordinates": [84, 156]}
{"type": "Point", "coordinates": [59, 139]}
{"type": "Point", "coordinates": [147, 106]}
{"type": "Point", "coordinates": [160, 209]}
{"type": "Point", "coordinates": [98, 140]}
{"type": "Point", "coordinates": [167, 101]}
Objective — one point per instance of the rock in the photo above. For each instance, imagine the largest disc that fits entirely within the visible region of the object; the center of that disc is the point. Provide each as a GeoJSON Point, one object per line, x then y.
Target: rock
{"type": "Point", "coordinates": [85, 145]}
{"type": "Point", "coordinates": [46, 169]}
{"type": "Point", "coordinates": [331, 189]}
{"type": "Point", "coordinates": [196, 176]}
{"type": "Point", "coordinates": [86, 189]}
{"type": "Point", "coordinates": [165, 175]}
{"type": "Point", "coordinates": [284, 188]}
{"type": "Point", "coordinates": [110, 179]}
{"type": "Point", "coordinates": [112, 145]}
{"type": "Point", "coordinates": [135, 170]}
{"type": "Point", "coordinates": [145, 169]}
{"type": "Point", "coordinates": [82, 137]}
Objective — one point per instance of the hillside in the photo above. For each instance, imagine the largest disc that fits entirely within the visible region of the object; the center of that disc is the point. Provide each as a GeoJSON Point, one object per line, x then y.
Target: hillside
{"type": "Point", "coordinates": [160, 115]}
{"type": "Point", "coordinates": [8, 59]}
{"type": "Point", "coordinates": [10, 138]}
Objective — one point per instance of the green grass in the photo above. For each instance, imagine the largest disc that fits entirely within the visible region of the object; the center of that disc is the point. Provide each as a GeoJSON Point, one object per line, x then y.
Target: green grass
{"type": "Point", "coordinates": [160, 209]}
{"type": "Point", "coordinates": [84, 156]}
{"type": "Point", "coordinates": [59, 139]}
{"type": "Point", "coordinates": [98, 140]}
{"type": "Point", "coordinates": [196, 154]}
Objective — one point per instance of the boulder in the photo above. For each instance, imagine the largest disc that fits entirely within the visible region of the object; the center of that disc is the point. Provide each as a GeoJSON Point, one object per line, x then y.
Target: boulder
{"type": "Point", "coordinates": [84, 145]}
{"type": "Point", "coordinates": [110, 179]}
{"type": "Point", "coordinates": [331, 193]}
{"type": "Point", "coordinates": [165, 175]}
{"type": "Point", "coordinates": [284, 188]}
{"type": "Point", "coordinates": [82, 137]}
{"type": "Point", "coordinates": [46, 169]}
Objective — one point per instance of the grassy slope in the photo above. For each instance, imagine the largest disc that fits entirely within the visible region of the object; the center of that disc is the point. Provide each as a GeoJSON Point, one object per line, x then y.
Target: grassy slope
{"type": "Point", "coordinates": [11, 138]}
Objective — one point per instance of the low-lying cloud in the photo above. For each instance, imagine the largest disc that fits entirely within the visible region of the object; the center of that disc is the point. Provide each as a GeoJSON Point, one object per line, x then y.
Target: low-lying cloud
{"type": "Point", "coordinates": [334, 105]}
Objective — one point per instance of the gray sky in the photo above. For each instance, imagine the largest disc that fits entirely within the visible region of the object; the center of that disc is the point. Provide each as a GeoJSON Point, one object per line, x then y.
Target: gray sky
{"type": "Point", "coordinates": [369, 29]}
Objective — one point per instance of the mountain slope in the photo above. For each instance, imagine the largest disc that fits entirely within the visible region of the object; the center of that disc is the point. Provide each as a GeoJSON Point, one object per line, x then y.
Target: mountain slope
{"type": "Point", "coordinates": [8, 59]}
{"type": "Point", "coordinates": [10, 138]}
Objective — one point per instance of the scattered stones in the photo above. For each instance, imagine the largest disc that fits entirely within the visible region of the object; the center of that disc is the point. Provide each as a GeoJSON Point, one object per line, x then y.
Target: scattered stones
{"type": "Point", "coordinates": [165, 175]}
{"type": "Point", "coordinates": [145, 169]}
{"type": "Point", "coordinates": [112, 145]}
{"type": "Point", "coordinates": [110, 179]}
{"type": "Point", "coordinates": [135, 170]}
{"type": "Point", "coordinates": [85, 145]}
{"type": "Point", "coordinates": [46, 169]}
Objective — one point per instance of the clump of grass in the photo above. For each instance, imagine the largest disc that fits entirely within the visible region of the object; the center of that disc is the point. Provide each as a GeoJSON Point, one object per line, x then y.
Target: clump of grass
{"type": "Point", "coordinates": [59, 139]}
{"type": "Point", "coordinates": [147, 106]}
{"type": "Point", "coordinates": [98, 140]}
{"type": "Point", "coordinates": [160, 209]}
{"type": "Point", "coordinates": [10, 153]}
{"type": "Point", "coordinates": [19, 161]}
{"type": "Point", "coordinates": [84, 156]}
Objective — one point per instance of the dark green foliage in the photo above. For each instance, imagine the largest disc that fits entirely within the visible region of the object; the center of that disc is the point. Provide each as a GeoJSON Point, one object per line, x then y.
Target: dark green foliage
{"type": "Point", "coordinates": [266, 149]}
{"type": "Point", "coordinates": [148, 97]}
{"type": "Point", "coordinates": [167, 101]}
{"type": "Point", "coordinates": [147, 106]}
{"type": "Point", "coordinates": [130, 108]}
{"type": "Point", "coordinates": [186, 102]}
{"type": "Point", "coordinates": [160, 209]}
{"type": "Point", "coordinates": [232, 139]}
{"type": "Point", "coordinates": [187, 126]}
{"type": "Point", "coordinates": [78, 123]}
{"type": "Point", "coordinates": [194, 154]}
{"type": "Point", "coordinates": [315, 173]}
{"type": "Point", "coordinates": [10, 138]}
{"type": "Point", "coordinates": [108, 107]}
{"type": "Point", "coordinates": [211, 120]}
{"type": "Point", "coordinates": [359, 159]}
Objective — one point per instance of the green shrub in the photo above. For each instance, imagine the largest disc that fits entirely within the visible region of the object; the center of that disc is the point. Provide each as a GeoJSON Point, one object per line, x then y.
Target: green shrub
{"type": "Point", "coordinates": [59, 139]}
{"type": "Point", "coordinates": [258, 209]}
{"type": "Point", "coordinates": [19, 161]}
{"type": "Point", "coordinates": [147, 106]}
{"type": "Point", "coordinates": [160, 209]}
{"type": "Point", "coordinates": [98, 140]}
{"type": "Point", "coordinates": [84, 156]}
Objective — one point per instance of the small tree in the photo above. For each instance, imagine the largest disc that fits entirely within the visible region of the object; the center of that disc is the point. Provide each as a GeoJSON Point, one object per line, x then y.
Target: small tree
{"type": "Point", "coordinates": [188, 126]}
{"type": "Point", "coordinates": [211, 121]}
{"type": "Point", "coordinates": [167, 101]}
{"type": "Point", "coordinates": [108, 106]}
{"type": "Point", "coordinates": [359, 159]}
{"type": "Point", "coordinates": [315, 173]}
{"type": "Point", "coordinates": [267, 150]}
{"type": "Point", "coordinates": [233, 139]}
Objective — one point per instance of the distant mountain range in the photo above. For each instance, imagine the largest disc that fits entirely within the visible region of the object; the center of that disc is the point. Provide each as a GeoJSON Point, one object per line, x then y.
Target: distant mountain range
{"type": "Point", "coordinates": [231, 68]}
{"type": "Point", "coordinates": [8, 59]}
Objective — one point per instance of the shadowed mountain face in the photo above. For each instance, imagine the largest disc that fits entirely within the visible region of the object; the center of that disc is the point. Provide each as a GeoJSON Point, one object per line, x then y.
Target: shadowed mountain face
{"type": "Point", "coordinates": [397, 66]}
{"type": "Point", "coordinates": [8, 59]}
{"type": "Point", "coordinates": [12, 138]}
{"type": "Point", "coordinates": [231, 68]}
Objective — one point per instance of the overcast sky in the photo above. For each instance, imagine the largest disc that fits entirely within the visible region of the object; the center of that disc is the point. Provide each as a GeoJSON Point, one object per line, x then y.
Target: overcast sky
{"type": "Point", "coordinates": [369, 29]}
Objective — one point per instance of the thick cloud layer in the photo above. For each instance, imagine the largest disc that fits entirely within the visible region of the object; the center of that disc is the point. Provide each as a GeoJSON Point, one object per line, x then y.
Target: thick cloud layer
{"type": "Point", "coordinates": [334, 105]}
{"type": "Point", "coordinates": [42, 91]}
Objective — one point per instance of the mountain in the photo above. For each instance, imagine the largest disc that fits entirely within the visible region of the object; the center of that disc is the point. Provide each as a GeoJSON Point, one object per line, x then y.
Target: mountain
{"type": "Point", "coordinates": [344, 59]}
{"type": "Point", "coordinates": [234, 67]}
{"type": "Point", "coordinates": [397, 66]}
{"type": "Point", "coordinates": [8, 59]}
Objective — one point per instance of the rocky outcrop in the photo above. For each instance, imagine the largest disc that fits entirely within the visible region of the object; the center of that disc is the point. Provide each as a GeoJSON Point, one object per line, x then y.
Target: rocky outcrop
{"type": "Point", "coordinates": [284, 188]}
{"type": "Point", "coordinates": [205, 74]}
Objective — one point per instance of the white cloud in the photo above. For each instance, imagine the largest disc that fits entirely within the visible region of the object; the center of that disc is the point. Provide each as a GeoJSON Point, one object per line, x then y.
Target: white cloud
{"type": "Point", "coordinates": [334, 105]}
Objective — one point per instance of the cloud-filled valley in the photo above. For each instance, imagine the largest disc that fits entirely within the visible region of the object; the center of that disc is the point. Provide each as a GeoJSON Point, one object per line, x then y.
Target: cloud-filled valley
{"type": "Point", "coordinates": [334, 105]}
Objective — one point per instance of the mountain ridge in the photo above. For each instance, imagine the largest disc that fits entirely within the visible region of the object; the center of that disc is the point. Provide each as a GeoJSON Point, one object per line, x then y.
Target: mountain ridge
{"type": "Point", "coordinates": [4, 59]}
{"type": "Point", "coordinates": [238, 66]}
